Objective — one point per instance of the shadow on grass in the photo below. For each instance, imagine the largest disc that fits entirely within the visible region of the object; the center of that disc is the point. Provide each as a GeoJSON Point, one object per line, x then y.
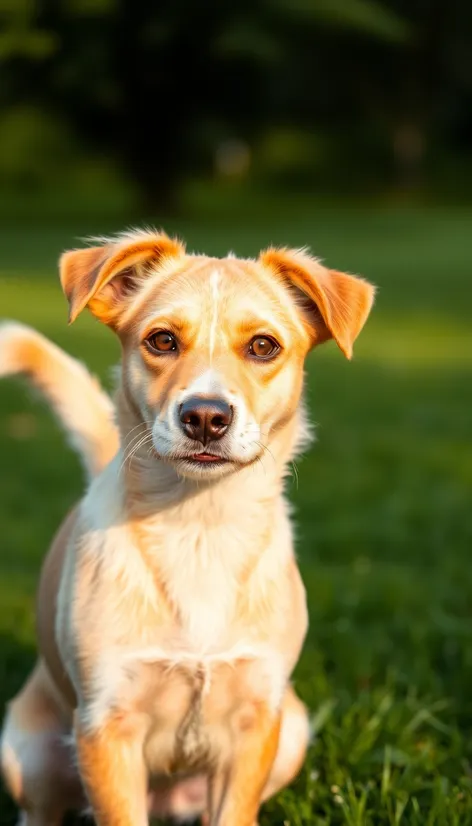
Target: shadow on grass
{"type": "Point", "coordinates": [16, 660]}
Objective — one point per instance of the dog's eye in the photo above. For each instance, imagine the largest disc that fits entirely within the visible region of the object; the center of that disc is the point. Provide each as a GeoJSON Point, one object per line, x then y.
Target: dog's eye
{"type": "Point", "coordinates": [161, 342]}
{"type": "Point", "coordinates": [263, 347]}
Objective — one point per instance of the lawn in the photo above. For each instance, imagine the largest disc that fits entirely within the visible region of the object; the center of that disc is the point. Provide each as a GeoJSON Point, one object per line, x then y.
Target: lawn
{"type": "Point", "coordinates": [383, 503]}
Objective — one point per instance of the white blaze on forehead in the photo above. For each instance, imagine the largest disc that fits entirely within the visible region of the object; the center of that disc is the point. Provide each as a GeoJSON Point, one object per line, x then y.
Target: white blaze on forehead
{"type": "Point", "coordinates": [214, 279]}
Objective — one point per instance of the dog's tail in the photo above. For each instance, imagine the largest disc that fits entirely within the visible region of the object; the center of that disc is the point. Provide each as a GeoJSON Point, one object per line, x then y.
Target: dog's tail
{"type": "Point", "coordinates": [81, 405]}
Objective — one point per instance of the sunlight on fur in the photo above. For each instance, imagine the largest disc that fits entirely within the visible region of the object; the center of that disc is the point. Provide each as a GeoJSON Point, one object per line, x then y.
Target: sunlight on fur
{"type": "Point", "coordinates": [171, 612]}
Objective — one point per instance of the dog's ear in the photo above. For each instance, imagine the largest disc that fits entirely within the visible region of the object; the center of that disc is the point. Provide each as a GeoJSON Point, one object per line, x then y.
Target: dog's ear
{"type": "Point", "coordinates": [334, 304]}
{"type": "Point", "coordinates": [102, 278]}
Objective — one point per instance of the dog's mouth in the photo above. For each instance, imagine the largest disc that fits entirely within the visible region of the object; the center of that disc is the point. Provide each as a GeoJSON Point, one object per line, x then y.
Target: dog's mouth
{"type": "Point", "coordinates": [206, 457]}
{"type": "Point", "coordinates": [204, 462]}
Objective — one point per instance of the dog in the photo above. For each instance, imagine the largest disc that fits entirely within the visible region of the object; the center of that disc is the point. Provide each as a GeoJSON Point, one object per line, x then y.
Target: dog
{"type": "Point", "coordinates": [170, 611]}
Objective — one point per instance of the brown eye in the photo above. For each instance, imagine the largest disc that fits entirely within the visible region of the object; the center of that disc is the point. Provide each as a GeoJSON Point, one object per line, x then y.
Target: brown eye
{"type": "Point", "coordinates": [263, 347]}
{"type": "Point", "coordinates": [161, 342]}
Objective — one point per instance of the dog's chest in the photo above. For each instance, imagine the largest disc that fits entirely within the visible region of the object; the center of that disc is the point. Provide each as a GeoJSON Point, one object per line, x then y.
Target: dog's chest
{"type": "Point", "coordinates": [205, 600]}
{"type": "Point", "coordinates": [198, 568]}
{"type": "Point", "coordinates": [189, 660]}
{"type": "Point", "coordinates": [193, 705]}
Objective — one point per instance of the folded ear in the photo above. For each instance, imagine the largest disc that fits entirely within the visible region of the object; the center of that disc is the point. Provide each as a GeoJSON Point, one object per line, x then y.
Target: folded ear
{"type": "Point", "coordinates": [334, 304]}
{"type": "Point", "coordinates": [102, 277]}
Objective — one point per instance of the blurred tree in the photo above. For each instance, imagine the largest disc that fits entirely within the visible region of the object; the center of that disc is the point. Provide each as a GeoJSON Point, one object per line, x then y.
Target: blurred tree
{"type": "Point", "coordinates": [155, 86]}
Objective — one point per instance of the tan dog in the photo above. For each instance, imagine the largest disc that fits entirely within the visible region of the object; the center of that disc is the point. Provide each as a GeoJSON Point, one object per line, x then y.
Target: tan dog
{"type": "Point", "coordinates": [171, 612]}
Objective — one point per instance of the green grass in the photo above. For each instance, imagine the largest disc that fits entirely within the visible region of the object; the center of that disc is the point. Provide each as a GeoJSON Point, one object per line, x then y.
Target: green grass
{"type": "Point", "coordinates": [383, 501]}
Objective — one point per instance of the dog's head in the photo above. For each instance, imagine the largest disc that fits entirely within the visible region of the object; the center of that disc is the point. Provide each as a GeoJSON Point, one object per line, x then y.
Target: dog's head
{"type": "Point", "coordinates": [213, 349]}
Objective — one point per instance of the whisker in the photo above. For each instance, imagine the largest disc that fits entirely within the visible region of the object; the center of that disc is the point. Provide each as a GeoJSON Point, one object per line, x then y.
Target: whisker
{"type": "Point", "coordinates": [139, 427]}
{"type": "Point", "coordinates": [129, 457]}
{"type": "Point", "coordinates": [261, 463]}
{"type": "Point", "coordinates": [143, 426]}
{"type": "Point", "coordinates": [143, 443]}
{"type": "Point", "coordinates": [254, 428]}
{"type": "Point", "coordinates": [140, 424]}
{"type": "Point", "coordinates": [264, 447]}
{"type": "Point", "coordinates": [132, 447]}
{"type": "Point", "coordinates": [128, 446]}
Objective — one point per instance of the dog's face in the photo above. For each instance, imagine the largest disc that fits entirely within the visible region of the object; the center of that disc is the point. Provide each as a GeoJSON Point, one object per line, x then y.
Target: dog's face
{"type": "Point", "coordinates": [213, 349]}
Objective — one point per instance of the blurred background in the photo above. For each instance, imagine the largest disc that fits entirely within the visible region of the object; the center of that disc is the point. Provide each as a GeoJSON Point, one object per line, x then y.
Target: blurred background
{"type": "Point", "coordinates": [142, 101]}
{"type": "Point", "coordinates": [344, 125]}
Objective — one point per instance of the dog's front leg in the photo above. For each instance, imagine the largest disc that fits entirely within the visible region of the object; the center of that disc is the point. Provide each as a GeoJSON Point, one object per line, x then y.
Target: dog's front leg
{"type": "Point", "coordinates": [113, 772]}
{"type": "Point", "coordinates": [235, 792]}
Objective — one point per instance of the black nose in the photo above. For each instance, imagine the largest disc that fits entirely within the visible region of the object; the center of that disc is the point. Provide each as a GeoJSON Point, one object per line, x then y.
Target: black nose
{"type": "Point", "coordinates": [205, 419]}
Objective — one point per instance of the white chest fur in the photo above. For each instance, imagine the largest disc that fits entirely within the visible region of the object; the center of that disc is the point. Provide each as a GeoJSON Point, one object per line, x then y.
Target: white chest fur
{"type": "Point", "coordinates": [157, 612]}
